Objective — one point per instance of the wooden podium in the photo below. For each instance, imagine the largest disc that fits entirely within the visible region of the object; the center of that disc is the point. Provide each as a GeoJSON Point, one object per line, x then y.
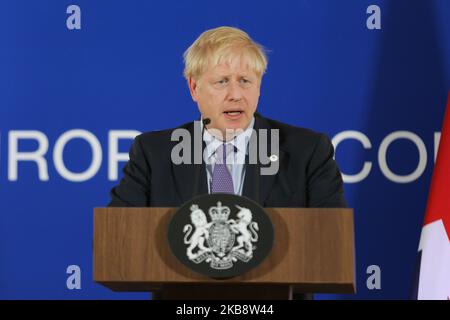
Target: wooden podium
{"type": "Point", "coordinates": [313, 252]}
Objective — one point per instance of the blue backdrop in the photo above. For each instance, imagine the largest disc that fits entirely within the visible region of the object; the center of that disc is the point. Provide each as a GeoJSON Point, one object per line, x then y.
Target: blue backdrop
{"type": "Point", "coordinates": [122, 70]}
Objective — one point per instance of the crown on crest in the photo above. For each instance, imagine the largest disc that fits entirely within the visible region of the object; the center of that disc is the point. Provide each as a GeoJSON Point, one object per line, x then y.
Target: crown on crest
{"type": "Point", "coordinates": [219, 213]}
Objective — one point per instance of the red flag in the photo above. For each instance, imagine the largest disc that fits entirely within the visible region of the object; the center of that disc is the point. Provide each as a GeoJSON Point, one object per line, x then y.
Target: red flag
{"type": "Point", "coordinates": [434, 278]}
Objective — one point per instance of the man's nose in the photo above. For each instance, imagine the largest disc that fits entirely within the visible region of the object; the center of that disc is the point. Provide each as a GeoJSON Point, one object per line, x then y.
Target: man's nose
{"type": "Point", "coordinates": [234, 91]}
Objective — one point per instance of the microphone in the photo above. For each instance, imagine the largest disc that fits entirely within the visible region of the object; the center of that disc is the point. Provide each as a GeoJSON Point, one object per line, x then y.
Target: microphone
{"type": "Point", "coordinates": [205, 121]}
{"type": "Point", "coordinates": [196, 188]}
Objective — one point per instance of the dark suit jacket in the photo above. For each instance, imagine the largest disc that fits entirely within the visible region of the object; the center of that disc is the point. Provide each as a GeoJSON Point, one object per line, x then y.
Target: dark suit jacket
{"type": "Point", "coordinates": [307, 177]}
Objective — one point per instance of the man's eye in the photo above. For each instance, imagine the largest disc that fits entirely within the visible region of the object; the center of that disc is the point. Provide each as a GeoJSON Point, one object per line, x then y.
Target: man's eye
{"type": "Point", "coordinates": [223, 81]}
{"type": "Point", "coordinates": [245, 80]}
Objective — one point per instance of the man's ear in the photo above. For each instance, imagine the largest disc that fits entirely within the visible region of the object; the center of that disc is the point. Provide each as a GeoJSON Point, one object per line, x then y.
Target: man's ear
{"type": "Point", "coordinates": [193, 86]}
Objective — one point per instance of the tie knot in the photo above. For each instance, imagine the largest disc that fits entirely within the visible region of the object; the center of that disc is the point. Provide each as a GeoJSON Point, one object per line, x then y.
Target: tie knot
{"type": "Point", "coordinates": [223, 151]}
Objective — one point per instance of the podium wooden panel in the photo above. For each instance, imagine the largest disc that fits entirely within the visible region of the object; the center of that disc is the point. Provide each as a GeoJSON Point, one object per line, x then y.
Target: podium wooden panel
{"type": "Point", "coordinates": [313, 252]}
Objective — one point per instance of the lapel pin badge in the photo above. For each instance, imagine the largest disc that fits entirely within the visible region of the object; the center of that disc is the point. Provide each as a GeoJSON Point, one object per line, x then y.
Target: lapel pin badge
{"type": "Point", "coordinates": [273, 157]}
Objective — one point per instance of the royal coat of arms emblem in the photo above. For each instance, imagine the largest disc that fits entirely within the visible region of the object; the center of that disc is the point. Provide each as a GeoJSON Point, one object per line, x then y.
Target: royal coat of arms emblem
{"type": "Point", "coordinates": [220, 235]}
{"type": "Point", "coordinates": [221, 241]}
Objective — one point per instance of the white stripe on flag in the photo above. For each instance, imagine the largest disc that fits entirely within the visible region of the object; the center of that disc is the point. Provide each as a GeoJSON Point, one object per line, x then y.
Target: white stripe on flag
{"type": "Point", "coordinates": [434, 278]}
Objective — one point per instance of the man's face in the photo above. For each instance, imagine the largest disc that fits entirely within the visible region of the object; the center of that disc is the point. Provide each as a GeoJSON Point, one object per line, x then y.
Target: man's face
{"type": "Point", "coordinates": [227, 94]}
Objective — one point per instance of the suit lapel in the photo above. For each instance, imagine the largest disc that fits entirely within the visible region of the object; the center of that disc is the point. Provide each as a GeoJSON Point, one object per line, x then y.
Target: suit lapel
{"type": "Point", "coordinates": [190, 179]}
{"type": "Point", "coordinates": [257, 186]}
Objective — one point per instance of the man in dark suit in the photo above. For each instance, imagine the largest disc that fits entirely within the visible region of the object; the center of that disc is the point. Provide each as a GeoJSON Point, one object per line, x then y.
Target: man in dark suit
{"type": "Point", "coordinates": [224, 69]}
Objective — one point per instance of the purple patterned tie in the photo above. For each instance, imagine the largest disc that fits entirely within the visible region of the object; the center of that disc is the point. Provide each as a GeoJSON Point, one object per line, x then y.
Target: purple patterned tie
{"type": "Point", "coordinates": [221, 179]}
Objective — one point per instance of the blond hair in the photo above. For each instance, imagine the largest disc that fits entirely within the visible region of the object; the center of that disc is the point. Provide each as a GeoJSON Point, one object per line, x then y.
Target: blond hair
{"type": "Point", "coordinates": [222, 44]}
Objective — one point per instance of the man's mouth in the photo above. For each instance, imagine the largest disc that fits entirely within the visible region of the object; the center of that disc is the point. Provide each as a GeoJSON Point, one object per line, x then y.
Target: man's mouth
{"type": "Point", "coordinates": [233, 113]}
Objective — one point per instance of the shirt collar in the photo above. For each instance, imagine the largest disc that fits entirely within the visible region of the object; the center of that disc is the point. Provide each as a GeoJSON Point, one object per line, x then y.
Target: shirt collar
{"type": "Point", "coordinates": [240, 141]}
